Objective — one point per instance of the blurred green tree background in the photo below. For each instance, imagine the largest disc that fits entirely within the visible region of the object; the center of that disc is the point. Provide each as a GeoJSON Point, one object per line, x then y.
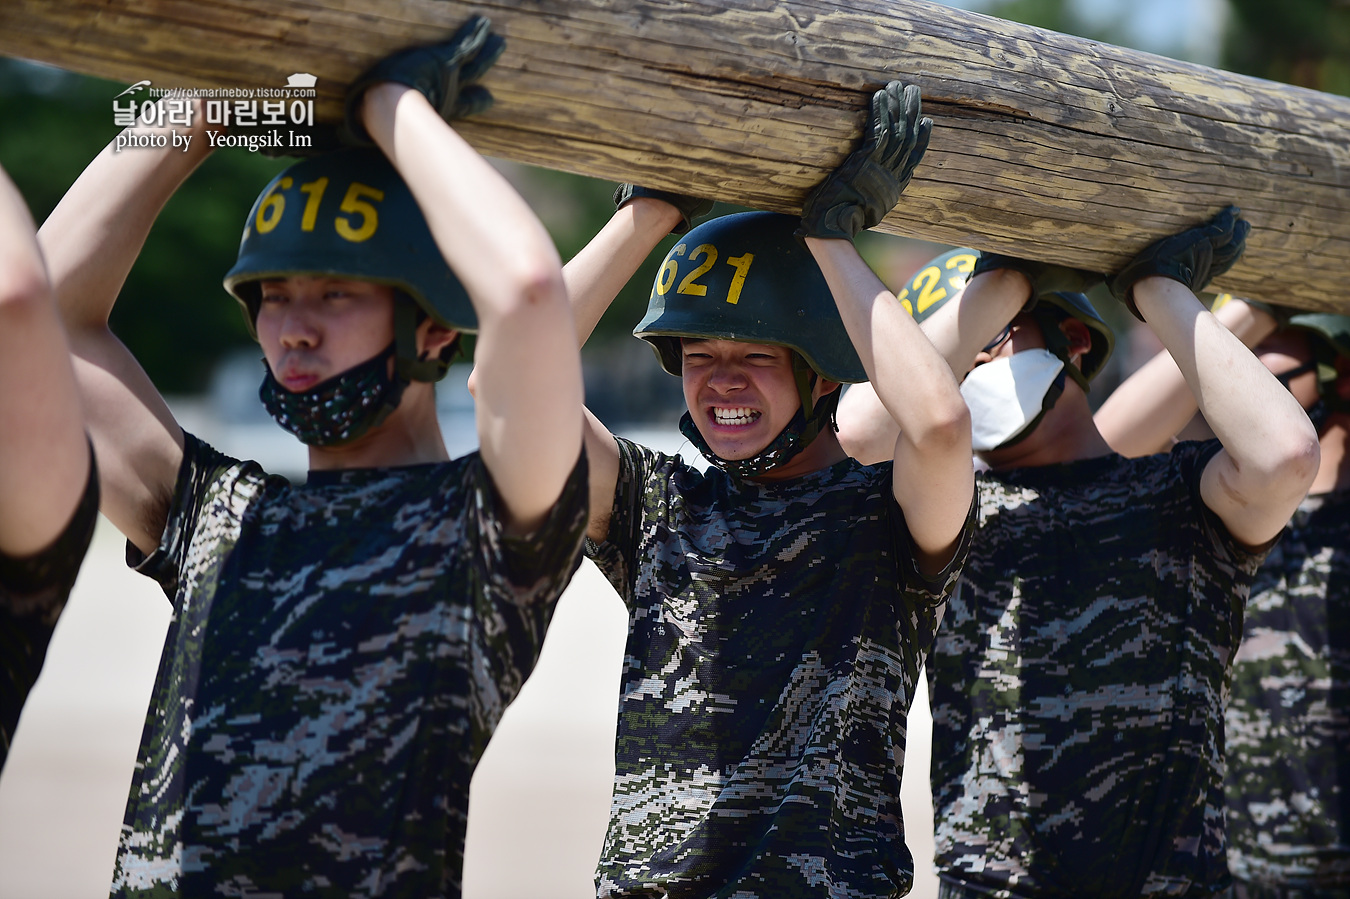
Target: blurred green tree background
{"type": "Point", "coordinates": [178, 321]}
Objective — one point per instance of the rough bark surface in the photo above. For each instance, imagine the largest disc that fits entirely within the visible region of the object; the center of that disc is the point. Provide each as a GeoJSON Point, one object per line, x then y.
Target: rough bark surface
{"type": "Point", "coordinates": [1044, 145]}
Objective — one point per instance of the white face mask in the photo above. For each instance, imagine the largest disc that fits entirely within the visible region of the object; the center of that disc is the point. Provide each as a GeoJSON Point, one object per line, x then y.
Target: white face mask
{"type": "Point", "coordinates": [1007, 395]}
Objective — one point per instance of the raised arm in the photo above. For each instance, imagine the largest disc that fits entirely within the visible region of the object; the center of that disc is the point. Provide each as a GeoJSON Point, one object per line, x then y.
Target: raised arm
{"type": "Point", "coordinates": [90, 241]}
{"type": "Point", "coordinates": [643, 217]}
{"type": "Point", "coordinates": [933, 477]}
{"type": "Point", "coordinates": [529, 388]}
{"type": "Point", "coordinates": [1270, 452]}
{"type": "Point", "coordinates": [1151, 406]}
{"type": "Point", "coordinates": [44, 457]}
{"type": "Point", "coordinates": [961, 326]}
{"type": "Point", "coordinates": [594, 278]}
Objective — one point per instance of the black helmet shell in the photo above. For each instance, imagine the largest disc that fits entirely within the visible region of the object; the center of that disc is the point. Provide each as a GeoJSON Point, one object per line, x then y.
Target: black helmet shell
{"type": "Point", "coordinates": [346, 214]}
{"type": "Point", "coordinates": [745, 277]}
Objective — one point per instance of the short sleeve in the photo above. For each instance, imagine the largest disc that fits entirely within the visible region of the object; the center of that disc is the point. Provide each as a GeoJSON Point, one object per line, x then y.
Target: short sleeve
{"type": "Point", "coordinates": [537, 566]}
{"type": "Point", "coordinates": [615, 555]}
{"type": "Point", "coordinates": [1190, 460]}
{"type": "Point", "coordinates": [209, 484]}
{"type": "Point", "coordinates": [933, 589]}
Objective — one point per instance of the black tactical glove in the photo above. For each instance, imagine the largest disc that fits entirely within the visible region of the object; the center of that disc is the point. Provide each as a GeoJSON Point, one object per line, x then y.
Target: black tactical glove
{"type": "Point", "coordinates": [1044, 277]}
{"type": "Point", "coordinates": [691, 208]}
{"type": "Point", "coordinates": [444, 73]}
{"type": "Point", "coordinates": [1194, 256]}
{"type": "Point", "coordinates": [867, 185]}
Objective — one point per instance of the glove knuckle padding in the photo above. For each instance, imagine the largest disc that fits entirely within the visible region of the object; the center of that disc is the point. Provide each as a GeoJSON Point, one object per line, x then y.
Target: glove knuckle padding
{"type": "Point", "coordinates": [470, 36]}
{"type": "Point", "coordinates": [869, 182]}
{"type": "Point", "coordinates": [438, 72]}
{"type": "Point", "coordinates": [1194, 257]}
{"type": "Point", "coordinates": [1184, 257]}
{"type": "Point", "coordinates": [489, 51]}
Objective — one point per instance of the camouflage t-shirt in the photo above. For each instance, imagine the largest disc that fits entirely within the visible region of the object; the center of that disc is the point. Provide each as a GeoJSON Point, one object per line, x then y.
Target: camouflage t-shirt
{"type": "Point", "coordinates": [338, 657]}
{"type": "Point", "coordinates": [775, 638]}
{"type": "Point", "coordinates": [1077, 685]}
{"type": "Point", "coordinates": [33, 591]}
{"type": "Point", "coordinates": [1288, 722]}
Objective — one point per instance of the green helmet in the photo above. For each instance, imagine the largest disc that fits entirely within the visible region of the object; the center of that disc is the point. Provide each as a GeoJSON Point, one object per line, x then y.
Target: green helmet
{"type": "Point", "coordinates": [944, 277]}
{"type": "Point", "coordinates": [1333, 329]}
{"type": "Point", "coordinates": [745, 277]}
{"type": "Point", "coordinates": [937, 281]}
{"type": "Point", "coordinates": [346, 214]}
{"type": "Point", "coordinates": [1330, 337]}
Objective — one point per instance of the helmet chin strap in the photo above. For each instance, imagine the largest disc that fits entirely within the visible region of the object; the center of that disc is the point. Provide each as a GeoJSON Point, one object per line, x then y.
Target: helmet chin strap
{"type": "Point", "coordinates": [806, 382]}
{"type": "Point", "coordinates": [348, 405]}
{"type": "Point", "coordinates": [1058, 343]}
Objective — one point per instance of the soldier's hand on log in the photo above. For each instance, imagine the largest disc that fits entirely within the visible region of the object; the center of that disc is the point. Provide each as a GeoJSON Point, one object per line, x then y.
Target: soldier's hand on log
{"type": "Point", "coordinates": [1045, 277]}
{"type": "Point", "coordinates": [867, 185]}
{"type": "Point", "coordinates": [691, 208]}
{"type": "Point", "coordinates": [444, 73]}
{"type": "Point", "coordinates": [1194, 256]}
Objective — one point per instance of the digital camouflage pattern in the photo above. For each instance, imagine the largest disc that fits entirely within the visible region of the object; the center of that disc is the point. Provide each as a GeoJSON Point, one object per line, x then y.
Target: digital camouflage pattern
{"type": "Point", "coordinates": [339, 655]}
{"type": "Point", "coordinates": [775, 638]}
{"type": "Point", "coordinates": [1077, 685]}
{"type": "Point", "coordinates": [33, 591]}
{"type": "Point", "coordinates": [1288, 722]}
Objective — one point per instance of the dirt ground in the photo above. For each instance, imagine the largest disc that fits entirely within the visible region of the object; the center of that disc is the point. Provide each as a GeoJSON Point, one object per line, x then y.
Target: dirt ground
{"type": "Point", "coordinates": [540, 796]}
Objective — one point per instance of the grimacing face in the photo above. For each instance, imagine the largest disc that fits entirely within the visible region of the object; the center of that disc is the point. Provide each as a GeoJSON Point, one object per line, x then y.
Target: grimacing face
{"type": "Point", "coordinates": [740, 395]}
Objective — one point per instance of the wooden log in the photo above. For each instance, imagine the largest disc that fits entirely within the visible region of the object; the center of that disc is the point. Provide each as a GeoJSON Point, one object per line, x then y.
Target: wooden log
{"type": "Point", "coordinates": [1044, 145]}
